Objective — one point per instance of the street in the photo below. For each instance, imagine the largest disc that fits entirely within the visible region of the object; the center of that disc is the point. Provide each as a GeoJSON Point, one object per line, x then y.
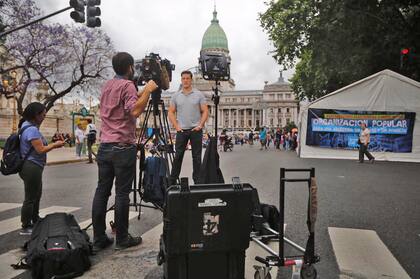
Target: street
{"type": "Point", "coordinates": [381, 197]}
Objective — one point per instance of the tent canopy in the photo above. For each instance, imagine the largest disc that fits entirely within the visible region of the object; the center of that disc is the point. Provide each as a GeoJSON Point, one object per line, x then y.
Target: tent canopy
{"type": "Point", "coordinates": [383, 91]}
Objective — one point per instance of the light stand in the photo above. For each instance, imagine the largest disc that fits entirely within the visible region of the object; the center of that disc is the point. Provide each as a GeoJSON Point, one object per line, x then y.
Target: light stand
{"type": "Point", "coordinates": [216, 100]}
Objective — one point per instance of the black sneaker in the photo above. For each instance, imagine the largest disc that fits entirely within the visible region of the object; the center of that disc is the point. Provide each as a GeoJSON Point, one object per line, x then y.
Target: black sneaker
{"type": "Point", "coordinates": [102, 243]}
{"type": "Point", "coordinates": [26, 231]}
{"type": "Point", "coordinates": [129, 242]}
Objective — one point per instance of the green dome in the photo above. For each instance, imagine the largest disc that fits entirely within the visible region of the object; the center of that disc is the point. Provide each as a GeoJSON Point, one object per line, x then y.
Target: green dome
{"type": "Point", "coordinates": [214, 37]}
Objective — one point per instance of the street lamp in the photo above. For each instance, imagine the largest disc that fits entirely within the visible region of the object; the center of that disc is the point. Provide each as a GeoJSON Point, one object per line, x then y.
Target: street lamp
{"type": "Point", "coordinates": [9, 86]}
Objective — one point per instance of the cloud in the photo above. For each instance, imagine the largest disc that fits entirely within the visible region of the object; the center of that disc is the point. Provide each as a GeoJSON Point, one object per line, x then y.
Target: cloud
{"type": "Point", "coordinates": [175, 29]}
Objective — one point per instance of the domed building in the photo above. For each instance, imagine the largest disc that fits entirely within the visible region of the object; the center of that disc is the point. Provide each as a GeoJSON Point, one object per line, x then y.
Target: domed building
{"type": "Point", "coordinates": [241, 110]}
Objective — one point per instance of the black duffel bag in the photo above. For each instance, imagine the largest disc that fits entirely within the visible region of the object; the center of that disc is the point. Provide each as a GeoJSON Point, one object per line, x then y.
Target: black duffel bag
{"type": "Point", "coordinates": [58, 248]}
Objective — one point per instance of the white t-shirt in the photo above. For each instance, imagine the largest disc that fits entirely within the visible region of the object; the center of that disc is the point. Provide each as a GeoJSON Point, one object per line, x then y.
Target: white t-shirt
{"type": "Point", "coordinates": [364, 135]}
{"type": "Point", "coordinates": [80, 135]}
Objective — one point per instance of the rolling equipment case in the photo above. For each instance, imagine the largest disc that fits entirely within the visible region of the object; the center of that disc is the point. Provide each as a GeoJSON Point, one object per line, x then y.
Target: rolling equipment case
{"type": "Point", "coordinates": [206, 231]}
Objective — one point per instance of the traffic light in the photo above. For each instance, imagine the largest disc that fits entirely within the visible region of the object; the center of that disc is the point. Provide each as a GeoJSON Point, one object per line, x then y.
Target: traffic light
{"type": "Point", "coordinates": [78, 15]}
{"type": "Point", "coordinates": [93, 12]}
{"type": "Point", "coordinates": [405, 57]}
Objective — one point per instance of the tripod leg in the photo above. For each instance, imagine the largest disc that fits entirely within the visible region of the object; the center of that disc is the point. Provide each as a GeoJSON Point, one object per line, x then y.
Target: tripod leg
{"type": "Point", "coordinates": [90, 225]}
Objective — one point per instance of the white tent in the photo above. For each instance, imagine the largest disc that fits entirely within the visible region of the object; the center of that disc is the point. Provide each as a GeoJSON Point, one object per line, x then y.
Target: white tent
{"type": "Point", "coordinates": [385, 91]}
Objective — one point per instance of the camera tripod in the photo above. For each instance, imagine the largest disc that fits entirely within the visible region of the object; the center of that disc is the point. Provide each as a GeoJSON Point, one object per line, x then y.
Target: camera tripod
{"type": "Point", "coordinates": [162, 145]}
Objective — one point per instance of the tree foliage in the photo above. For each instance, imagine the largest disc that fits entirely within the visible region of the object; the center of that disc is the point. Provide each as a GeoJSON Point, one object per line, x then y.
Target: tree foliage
{"type": "Point", "coordinates": [340, 41]}
{"type": "Point", "coordinates": [65, 58]}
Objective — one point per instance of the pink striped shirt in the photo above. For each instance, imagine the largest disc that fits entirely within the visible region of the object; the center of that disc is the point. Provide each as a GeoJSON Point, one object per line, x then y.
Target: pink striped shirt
{"type": "Point", "coordinates": [118, 97]}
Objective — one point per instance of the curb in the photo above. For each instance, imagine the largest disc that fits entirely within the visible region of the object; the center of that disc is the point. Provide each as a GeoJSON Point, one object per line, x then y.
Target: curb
{"type": "Point", "coordinates": [66, 162]}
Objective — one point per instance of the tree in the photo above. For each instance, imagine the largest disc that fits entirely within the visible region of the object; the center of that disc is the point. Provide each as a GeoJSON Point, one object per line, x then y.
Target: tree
{"type": "Point", "coordinates": [64, 57]}
{"type": "Point", "coordinates": [338, 42]}
{"type": "Point", "coordinates": [290, 126]}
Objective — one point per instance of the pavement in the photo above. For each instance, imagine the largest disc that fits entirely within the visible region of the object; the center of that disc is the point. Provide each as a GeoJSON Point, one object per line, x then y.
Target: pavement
{"type": "Point", "coordinates": [367, 226]}
{"type": "Point", "coordinates": [64, 155]}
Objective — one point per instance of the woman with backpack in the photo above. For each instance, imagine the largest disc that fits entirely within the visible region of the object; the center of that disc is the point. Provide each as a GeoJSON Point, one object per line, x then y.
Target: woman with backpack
{"type": "Point", "coordinates": [34, 143]}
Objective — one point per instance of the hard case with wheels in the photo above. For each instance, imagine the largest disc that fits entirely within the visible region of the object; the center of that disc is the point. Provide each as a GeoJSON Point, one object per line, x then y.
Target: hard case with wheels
{"type": "Point", "coordinates": [206, 231]}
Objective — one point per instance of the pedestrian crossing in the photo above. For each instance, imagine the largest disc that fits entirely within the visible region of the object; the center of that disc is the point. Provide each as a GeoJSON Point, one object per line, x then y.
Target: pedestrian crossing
{"type": "Point", "coordinates": [14, 224]}
{"type": "Point", "coordinates": [359, 253]}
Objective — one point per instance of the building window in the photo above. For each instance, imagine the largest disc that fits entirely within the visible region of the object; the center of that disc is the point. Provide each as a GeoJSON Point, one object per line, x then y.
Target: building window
{"type": "Point", "coordinates": [233, 100]}
{"type": "Point", "coordinates": [287, 110]}
{"type": "Point", "coordinates": [242, 100]}
{"type": "Point", "coordinates": [249, 123]}
{"type": "Point", "coordinates": [271, 121]}
{"type": "Point", "coordinates": [279, 110]}
{"type": "Point", "coordinates": [280, 96]}
{"type": "Point", "coordinates": [288, 96]}
{"type": "Point", "coordinates": [287, 120]}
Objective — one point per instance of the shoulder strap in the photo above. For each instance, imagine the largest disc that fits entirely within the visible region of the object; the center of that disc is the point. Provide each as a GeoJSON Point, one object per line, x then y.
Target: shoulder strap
{"type": "Point", "coordinates": [32, 147]}
{"type": "Point", "coordinates": [21, 130]}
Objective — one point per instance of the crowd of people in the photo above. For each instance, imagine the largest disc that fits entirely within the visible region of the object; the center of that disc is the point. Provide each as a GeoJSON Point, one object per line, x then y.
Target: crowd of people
{"type": "Point", "coordinates": [280, 139]}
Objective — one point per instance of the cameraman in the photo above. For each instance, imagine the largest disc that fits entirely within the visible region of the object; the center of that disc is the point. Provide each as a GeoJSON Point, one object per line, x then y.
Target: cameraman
{"type": "Point", "coordinates": [121, 105]}
{"type": "Point", "coordinates": [192, 112]}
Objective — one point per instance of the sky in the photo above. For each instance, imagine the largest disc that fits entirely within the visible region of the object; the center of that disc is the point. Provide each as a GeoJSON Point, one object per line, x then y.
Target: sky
{"type": "Point", "coordinates": [174, 29]}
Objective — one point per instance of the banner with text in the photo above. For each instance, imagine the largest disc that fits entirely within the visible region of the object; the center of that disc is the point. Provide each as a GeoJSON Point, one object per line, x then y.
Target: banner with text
{"type": "Point", "coordinates": [389, 131]}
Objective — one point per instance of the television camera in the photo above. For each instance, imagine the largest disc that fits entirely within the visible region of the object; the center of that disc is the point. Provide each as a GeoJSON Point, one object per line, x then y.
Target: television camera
{"type": "Point", "coordinates": [153, 67]}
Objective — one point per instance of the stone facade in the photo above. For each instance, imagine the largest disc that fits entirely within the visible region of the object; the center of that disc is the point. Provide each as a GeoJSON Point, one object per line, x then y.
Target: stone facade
{"type": "Point", "coordinates": [59, 118]}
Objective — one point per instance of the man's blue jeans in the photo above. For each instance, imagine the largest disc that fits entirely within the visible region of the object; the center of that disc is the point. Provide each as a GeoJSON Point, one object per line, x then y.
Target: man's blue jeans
{"type": "Point", "coordinates": [119, 162]}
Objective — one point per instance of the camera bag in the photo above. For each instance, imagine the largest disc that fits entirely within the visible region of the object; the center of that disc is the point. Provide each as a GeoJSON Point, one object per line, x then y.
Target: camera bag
{"type": "Point", "coordinates": [58, 248]}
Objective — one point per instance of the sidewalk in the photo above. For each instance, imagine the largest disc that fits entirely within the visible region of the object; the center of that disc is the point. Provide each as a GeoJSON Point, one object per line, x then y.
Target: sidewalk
{"type": "Point", "coordinates": [63, 156]}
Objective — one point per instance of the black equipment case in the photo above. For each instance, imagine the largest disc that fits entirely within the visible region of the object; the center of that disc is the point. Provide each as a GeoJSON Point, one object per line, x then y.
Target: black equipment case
{"type": "Point", "coordinates": [206, 231]}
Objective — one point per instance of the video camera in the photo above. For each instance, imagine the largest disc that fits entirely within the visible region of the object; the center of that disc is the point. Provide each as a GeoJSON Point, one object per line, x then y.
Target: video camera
{"type": "Point", "coordinates": [153, 67]}
{"type": "Point", "coordinates": [214, 66]}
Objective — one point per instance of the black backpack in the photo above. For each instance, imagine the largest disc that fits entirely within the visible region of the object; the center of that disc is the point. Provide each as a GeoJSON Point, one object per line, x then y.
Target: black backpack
{"type": "Point", "coordinates": [154, 180]}
{"type": "Point", "coordinates": [58, 248]}
{"type": "Point", "coordinates": [271, 215]}
{"type": "Point", "coordinates": [12, 161]}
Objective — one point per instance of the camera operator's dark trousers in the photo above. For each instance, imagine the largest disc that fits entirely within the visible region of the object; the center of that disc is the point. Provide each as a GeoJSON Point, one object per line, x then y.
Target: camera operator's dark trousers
{"type": "Point", "coordinates": [114, 161]}
{"type": "Point", "coordinates": [363, 149]}
{"type": "Point", "coordinates": [182, 138]}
